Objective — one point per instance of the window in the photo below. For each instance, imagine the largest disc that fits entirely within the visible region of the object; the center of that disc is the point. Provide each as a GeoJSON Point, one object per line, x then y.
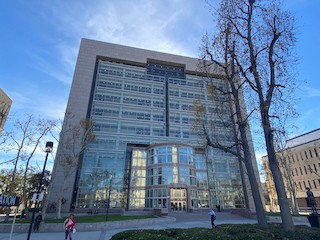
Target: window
{"type": "Point", "coordinates": [174, 105]}
{"type": "Point", "coordinates": [310, 153]}
{"type": "Point", "coordinates": [158, 132]}
{"type": "Point", "coordinates": [174, 93]}
{"type": "Point", "coordinates": [158, 104]}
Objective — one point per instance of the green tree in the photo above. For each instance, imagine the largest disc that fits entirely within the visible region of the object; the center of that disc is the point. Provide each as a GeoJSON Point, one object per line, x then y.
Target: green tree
{"type": "Point", "coordinates": [6, 186]}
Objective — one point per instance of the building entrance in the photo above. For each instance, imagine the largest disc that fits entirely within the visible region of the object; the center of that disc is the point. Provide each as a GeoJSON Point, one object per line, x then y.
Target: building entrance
{"type": "Point", "coordinates": [178, 199]}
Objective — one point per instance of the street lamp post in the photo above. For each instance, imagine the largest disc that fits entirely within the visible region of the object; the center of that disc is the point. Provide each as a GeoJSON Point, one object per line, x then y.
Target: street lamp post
{"type": "Point", "coordinates": [49, 146]}
{"type": "Point", "coordinates": [108, 201]}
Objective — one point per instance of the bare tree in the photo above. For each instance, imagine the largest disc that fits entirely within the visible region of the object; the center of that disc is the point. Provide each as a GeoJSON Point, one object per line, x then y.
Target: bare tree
{"type": "Point", "coordinates": [73, 142]}
{"type": "Point", "coordinates": [221, 52]}
{"type": "Point", "coordinates": [23, 143]}
{"type": "Point", "coordinates": [264, 36]}
{"type": "Point", "coordinates": [40, 130]}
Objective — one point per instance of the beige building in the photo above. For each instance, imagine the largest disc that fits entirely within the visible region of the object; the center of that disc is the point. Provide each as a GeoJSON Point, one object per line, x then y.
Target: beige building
{"type": "Point", "coordinates": [300, 167]}
{"type": "Point", "coordinates": [5, 104]}
{"type": "Point", "coordinates": [145, 150]}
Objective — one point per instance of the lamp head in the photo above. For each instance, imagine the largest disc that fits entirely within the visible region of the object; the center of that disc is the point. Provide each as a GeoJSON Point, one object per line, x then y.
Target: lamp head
{"type": "Point", "coordinates": [49, 146]}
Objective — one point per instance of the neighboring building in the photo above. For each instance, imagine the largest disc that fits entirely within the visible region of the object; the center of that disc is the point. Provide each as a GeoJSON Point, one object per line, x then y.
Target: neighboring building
{"type": "Point", "coordinates": [301, 158]}
{"type": "Point", "coordinates": [5, 104]}
{"type": "Point", "coordinates": [142, 104]}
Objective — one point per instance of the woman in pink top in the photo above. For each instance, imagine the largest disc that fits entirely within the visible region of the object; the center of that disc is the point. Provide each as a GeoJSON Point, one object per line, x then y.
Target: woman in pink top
{"type": "Point", "coordinates": [69, 224]}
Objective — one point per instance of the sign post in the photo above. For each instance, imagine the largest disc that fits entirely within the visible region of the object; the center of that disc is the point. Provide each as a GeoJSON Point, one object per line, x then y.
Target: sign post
{"type": "Point", "coordinates": [10, 201]}
{"type": "Point", "coordinates": [38, 195]}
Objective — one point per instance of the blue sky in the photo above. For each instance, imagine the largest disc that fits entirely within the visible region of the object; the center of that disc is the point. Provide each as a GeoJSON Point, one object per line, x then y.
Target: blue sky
{"type": "Point", "coordinates": [40, 41]}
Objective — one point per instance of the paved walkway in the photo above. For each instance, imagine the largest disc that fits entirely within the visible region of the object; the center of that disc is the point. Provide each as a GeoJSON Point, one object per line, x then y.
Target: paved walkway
{"type": "Point", "coordinates": [183, 220]}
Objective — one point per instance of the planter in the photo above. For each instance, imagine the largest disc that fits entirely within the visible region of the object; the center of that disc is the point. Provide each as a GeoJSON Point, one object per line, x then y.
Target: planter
{"type": "Point", "coordinates": [314, 219]}
{"type": "Point", "coordinates": [161, 212]}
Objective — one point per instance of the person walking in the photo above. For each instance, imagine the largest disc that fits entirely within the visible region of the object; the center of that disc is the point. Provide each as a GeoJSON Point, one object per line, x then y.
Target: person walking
{"type": "Point", "coordinates": [311, 202]}
{"type": "Point", "coordinates": [37, 222]}
{"type": "Point", "coordinates": [69, 226]}
{"type": "Point", "coordinates": [213, 217]}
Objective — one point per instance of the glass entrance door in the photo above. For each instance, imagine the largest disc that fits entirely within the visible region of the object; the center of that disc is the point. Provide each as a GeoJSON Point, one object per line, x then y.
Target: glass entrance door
{"type": "Point", "coordinates": [178, 199]}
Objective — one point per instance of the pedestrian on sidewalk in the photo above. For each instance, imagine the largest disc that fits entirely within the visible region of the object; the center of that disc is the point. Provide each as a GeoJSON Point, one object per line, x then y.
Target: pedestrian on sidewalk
{"type": "Point", "coordinates": [213, 217]}
{"type": "Point", "coordinates": [37, 222]}
{"type": "Point", "coordinates": [69, 226]}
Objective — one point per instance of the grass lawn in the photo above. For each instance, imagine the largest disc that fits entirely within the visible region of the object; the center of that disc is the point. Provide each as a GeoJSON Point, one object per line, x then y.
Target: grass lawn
{"type": "Point", "coordinates": [223, 232]}
{"type": "Point", "coordinates": [89, 219]}
{"type": "Point", "coordinates": [277, 214]}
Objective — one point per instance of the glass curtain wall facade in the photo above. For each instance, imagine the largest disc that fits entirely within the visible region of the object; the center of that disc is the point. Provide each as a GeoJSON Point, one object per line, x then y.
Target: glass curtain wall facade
{"type": "Point", "coordinates": [143, 119]}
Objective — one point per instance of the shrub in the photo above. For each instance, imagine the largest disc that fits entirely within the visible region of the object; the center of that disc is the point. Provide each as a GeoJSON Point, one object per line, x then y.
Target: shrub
{"type": "Point", "coordinates": [222, 232]}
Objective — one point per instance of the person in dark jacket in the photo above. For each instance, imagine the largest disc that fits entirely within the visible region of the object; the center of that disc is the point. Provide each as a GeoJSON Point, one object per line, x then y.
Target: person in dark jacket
{"type": "Point", "coordinates": [37, 222]}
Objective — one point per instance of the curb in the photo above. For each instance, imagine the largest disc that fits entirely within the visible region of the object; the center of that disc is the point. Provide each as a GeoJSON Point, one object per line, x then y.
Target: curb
{"type": "Point", "coordinates": [86, 227]}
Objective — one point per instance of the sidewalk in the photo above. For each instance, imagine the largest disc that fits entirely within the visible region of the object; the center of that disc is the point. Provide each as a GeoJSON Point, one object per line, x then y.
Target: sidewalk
{"type": "Point", "coordinates": [183, 220]}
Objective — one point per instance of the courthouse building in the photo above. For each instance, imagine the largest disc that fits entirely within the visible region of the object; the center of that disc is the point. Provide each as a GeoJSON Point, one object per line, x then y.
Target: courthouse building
{"type": "Point", "coordinates": [5, 104]}
{"type": "Point", "coordinates": [300, 167]}
{"type": "Point", "coordinates": [145, 148]}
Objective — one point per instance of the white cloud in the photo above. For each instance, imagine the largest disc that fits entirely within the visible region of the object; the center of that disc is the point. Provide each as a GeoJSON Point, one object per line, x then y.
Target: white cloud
{"type": "Point", "coordinates": [68, 58]}
{"type": "Point", "coordinates": [49, 68]}
{"type": "Point", "coordinates": [19, 101]}
{"type": "Point", "coordinates": [55, 108]}
{"type": "Point", "coordinates": [312, 92]}
{"type": "Point", "coordinates": [164, 25]}
{"type": "Point", "coordinates": [143, 24]}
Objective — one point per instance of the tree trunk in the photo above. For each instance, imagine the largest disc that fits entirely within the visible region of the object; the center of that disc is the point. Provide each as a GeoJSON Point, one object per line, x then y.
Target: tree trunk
{"type": "Point", "coordinates": [242, 123]}
{"type": "Point", "coordinates": [45, 206]}
{"type": "Point", "coordinates": [6, 219]}
{"type": "Point", "coordinates": [25, 201]}
{"type": "Point", "coordinates": [261, 217]}
{"type": "Point", "coordinates": [59, 202]}
{"type": "Point", "coordinates": [58, 213]}
{"type": "Point", "coordinates": [286, 217]}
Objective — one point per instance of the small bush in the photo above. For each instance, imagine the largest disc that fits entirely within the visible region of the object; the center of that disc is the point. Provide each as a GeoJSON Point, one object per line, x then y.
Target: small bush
{"type": "Point", "coordinates": [222, 232]}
